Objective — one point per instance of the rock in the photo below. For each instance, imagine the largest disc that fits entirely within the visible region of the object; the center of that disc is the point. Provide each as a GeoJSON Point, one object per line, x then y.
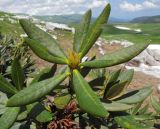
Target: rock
{"type": "Point", "coordinates": [149, 61]}
{"type": "Point", "coordinates": [124, 43]}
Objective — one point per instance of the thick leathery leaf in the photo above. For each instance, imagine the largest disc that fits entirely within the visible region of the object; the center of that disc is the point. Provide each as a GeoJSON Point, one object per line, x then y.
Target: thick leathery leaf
{"type": "Point", "coordinates": [64, 69]}
{"type": "Point", "coordinates": [126, 75]}
{"type": "Point", "coordinates": [128, 122]}
{"type": "Point", "coordinates": [116, 90]}
{"type": "Point", "coordinates": [144, 109]}
{"type": "Point", "coordinates": [62, 100]}
{"type": "Point", "coordinates": [114, 106]}
{"type": "Point", "coordinates": [112, 79]}
{"type": "Point", "coordinates": [94, 31]}
{"type": "Point", "coordinates": [17, 74]}
{"type": "Point", "coordinates": [43, 53]}
{"type": "Point", "coordinates": [85, 71]}
{"type": "Point", "coordinates": [114, 76]}
{"type": "Point", "coordinates": [6, 87]}
{"type": "Point", "coordinates": [9, 117]}
{"type": "Point", "coordinates": [35, 91]}
{"type": "Point", "coordinates": [24, 125]}
{"type": "Point", "coordinates": [81, 31]}
{"type": "Point", "coordinates": [45, 74]}
{"type": "Point", "coordinates": [31, 106]}
{"type": "Point", "coordinates": [22, 116]}
{"type": "Point", "coordinates": [155, 104]}
{"type": "Point", "coordinates": [44, 116]}
{"type": "Point", "coordinates": [3, 101]}
{"type": "Point", "coordinates": [136, 108]}
{"type": "Point", "coordinates": [86, 97]}
{"type": "Point", "coordinates": [44, 38]}
{"type": "Point", "coordinates": [135, 96]}
{"type": "Point", "coordinates": [120, 56]}
{"type": "Point", "coordinates": [37, 111]}
{"type": "Point", "coordinates": [143, 117]}
{"type": "Point", "coordinates": [97, 82]}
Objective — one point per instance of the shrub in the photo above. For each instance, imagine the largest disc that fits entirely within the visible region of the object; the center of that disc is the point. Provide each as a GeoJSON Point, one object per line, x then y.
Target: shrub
{"type": "Point", "coordinates": [101, 103]}
{"type": "Point", "coordinates": [14, 47]}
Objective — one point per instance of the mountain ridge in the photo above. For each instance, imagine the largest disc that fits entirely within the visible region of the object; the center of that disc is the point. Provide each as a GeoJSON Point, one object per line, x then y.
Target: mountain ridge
{"type": "Point", "coordinates": [146, 19]}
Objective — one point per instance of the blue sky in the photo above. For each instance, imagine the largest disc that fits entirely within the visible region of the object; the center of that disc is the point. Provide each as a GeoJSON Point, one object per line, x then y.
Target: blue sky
{"type": "Point", "coordinates": [124, 9]}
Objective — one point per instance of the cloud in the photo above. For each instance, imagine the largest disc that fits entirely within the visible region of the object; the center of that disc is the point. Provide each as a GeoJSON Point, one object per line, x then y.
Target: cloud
{"type": "Point", "coordinates": [50, 7]}
{"type": "Point", "coordinates": [147, 4]}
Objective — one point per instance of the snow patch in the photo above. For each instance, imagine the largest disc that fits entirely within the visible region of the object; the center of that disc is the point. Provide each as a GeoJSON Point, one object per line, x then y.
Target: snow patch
{"type": "Point", "coordinates": [122, 28]}
{"type": "Point", "coordinates": [127, 28]}
{"type": "Point", "coordinates": [124, 43]}
{"type": "Point", "coordinates": [52, 26]}
{"type": "Point", "coordinates": [148, 60]}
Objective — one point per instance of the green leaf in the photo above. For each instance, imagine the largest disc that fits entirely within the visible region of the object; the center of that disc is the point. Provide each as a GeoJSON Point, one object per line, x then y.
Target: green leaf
{"type": "Point", "coordinates": [85, 70]}
{"type": "Point", "coordinates": [97, 82]}
{"type": "Point", "coordinates": [37, 111]}
{"type": "Point", "coordinates": [41, 51]}
{"type": "Point", "coordinates": [86, 97]}
{"type": "Point", "coordinates": [143, 117]}
{"type": "Point", "coordinates": [31, 106]}
{"type": "Point", "coordinates": [135, 96]}
{"type": "Point", "coordinates": [64, 69]}
{"type": "Point", "coordinates": [136, 108]}
{"type": "Point", "coordinates": [62, 100]}
{"type": "Point", "coordinates": [45, 74]}
{"type": "Point", "coordinates": [17, 74]}
{"type": "Point", "coordinates": [44, 116]}
{"type": "Point", "coordinates": [44, 38]}
{"type": "Point", "coordinates": [22, 116]}
{"type": "Point", "coordinates": [128, 122]}
{"type": "Point", "coordinates": [112, 79]}
{"type": "Point", "coordinates": [94, 31]}
{"type": "Point", "coordinates": [81, 31]}
{"type": "Point", "coordinates": [24, 125]}
{"type": "Point", "coordinates": [126, 75]}
{"type": "Point", "coordinates": [3, 101]}
{"type": "Point", "coordinates": [9, 117]}
{"type": "Point", "coordinates": [120, 56]}
{"type": "Point", "coordinates": [144, 110]}
{"type": "Point", "coordinates": [6, 87]}
{"type": "Point", "coordinates": [35, 91]}
{"type": "Point", "coordinates": [114, 106]}
{"type": "Point", "coordinates": [155, 104]}
{"type": "Point", "coordinates": [116, 90]}
{"type": "Point", "coordinates": [114, 76]}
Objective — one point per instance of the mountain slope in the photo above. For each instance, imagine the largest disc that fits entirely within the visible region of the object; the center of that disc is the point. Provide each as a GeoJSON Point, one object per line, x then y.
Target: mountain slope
{"type": "Point", "coordinates": [74, 18]}
{"type": "Point", "coordinates": [60, 18]}
{"type": "Point", "coordinates": [9, 24]}
{"type": "Point", "coordinates": [147, 19]}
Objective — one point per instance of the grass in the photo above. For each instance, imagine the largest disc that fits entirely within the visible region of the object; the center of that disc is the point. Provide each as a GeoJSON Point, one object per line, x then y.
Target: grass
{"type": "Point", "coordinates": [10, 28]}
{"type": "Point", "coordinates": [150, 33]}
{"type": "Point", "coordinates": [4, 14]}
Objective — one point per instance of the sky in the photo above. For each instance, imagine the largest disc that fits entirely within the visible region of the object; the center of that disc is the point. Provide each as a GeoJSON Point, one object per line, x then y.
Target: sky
{"type": "Point", "coordinates": [123, 9]}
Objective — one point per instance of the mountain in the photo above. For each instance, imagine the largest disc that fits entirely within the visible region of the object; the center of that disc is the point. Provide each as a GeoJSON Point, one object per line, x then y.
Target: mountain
{"type": "Point", "coordinates": [66, 19]}
{"type": "Point", "coordinates": [117, 20]}
{"type": "Point", "coordinates": [146, 19]}
{"type": "Point", "coordinates": [74, 18]}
